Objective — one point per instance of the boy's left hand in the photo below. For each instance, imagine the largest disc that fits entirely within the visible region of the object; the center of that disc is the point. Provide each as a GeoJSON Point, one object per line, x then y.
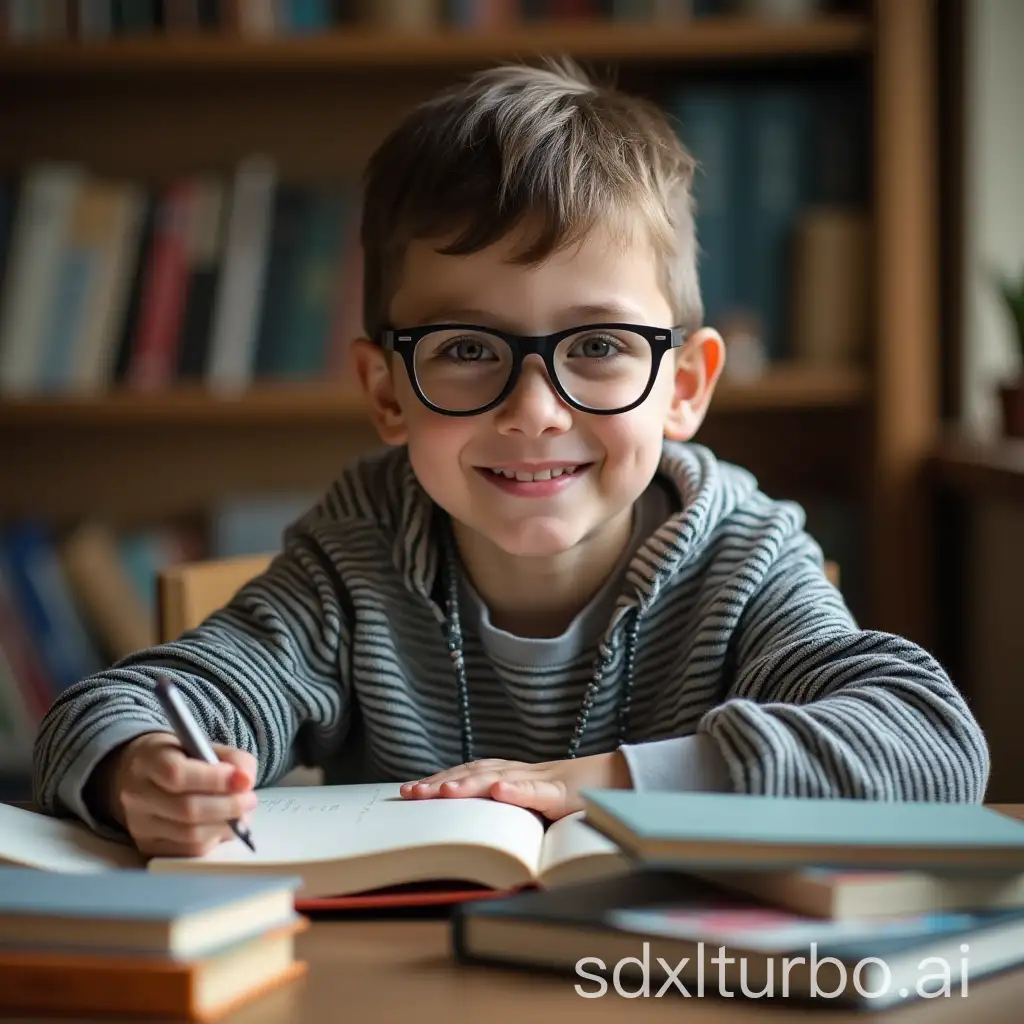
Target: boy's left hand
{"type": "Point", "coordinates": [551, 788]}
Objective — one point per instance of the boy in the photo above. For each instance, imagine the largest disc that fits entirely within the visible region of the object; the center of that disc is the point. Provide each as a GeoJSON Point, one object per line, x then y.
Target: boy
{"type": "Point", "coordinates": [542, 585]}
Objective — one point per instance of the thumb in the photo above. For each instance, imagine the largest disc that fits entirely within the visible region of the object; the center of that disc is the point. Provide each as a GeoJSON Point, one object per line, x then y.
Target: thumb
{"type": "Point", "coordinates": [245, 766]}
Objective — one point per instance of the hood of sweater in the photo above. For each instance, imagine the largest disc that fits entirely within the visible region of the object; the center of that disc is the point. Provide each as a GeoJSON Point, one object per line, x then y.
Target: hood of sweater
{"type": "Point", "coordinates": [386, 491]}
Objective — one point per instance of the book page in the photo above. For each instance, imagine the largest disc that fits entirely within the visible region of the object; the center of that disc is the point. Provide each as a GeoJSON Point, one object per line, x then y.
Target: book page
{"type": "Point", "coordinates": [33, 840]}
{"type": "Point", "coordinates": [374, 837]}
{"type": "Point", "coordinates": [575, 852]}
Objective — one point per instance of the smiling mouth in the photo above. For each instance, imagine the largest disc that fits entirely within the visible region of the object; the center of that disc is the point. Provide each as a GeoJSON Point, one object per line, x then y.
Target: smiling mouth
{"type": "Point", "coordinates": [523, 476]}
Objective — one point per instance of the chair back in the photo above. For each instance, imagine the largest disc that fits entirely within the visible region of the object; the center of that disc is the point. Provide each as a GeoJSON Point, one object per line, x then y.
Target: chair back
{"type": "Point", "coordinates": [189, 592]}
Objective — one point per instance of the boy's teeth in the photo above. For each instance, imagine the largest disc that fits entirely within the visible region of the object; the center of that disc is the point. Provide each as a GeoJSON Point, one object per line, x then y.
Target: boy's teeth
{"type": "Point", "coordinates": [542, 474]}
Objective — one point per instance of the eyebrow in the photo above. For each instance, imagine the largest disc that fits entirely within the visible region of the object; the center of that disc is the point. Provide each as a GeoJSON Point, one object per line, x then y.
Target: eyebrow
{"type": "Point", "coordinates": [592, 312]}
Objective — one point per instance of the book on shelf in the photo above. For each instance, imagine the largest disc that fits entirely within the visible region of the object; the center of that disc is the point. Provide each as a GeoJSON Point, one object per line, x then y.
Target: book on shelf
{"type": "Point", "coordinates": [347, 841]}
{"type": "Point", "coordinates": [136, 943]}
{"type": "Point", "coordinates": [93, 21]}
{"type": "Point", "coordinates": [218, 279]}
{"type": "Point", "coordinates": [769, 157]}
{"type": "Point", "coordinates": [644, 929]}
{"type": "Point", "coordinates": [241, 275]}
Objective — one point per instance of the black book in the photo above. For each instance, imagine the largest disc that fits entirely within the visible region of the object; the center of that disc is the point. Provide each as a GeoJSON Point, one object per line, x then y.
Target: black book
{"type": "Point", "coordinates": [667, 934]}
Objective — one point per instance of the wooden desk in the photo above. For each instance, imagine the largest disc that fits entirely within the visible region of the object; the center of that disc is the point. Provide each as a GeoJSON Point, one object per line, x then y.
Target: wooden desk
{"type": "Point", "coordinates": [402, 971]}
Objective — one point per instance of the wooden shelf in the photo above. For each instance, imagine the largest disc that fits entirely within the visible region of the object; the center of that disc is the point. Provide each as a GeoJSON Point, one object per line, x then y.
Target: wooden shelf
{"type": "Point", "coordinates": [981, 468]}
{"type": "Point", "coordinates": [795, 387]}
{"type": "Point", "coordinates": [321, 403]}
{"type": "Point", "coordinates": [702, 39]}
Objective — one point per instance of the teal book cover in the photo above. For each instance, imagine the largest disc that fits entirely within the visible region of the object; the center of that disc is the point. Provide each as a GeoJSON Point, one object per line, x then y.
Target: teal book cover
{"type": "Point", "coordinates": [127, 895]}
{"type": "Point", "coordinates": [747, 829]}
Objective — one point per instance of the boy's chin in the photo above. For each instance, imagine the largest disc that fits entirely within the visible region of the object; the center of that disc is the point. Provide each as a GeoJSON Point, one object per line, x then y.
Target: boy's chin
{"type": "Point", "coordinates": [545, 538]}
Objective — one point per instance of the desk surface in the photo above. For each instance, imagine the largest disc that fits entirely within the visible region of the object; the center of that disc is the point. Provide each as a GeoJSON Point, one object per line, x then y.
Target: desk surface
{"type": "Point", "coordinates": [402, 971]}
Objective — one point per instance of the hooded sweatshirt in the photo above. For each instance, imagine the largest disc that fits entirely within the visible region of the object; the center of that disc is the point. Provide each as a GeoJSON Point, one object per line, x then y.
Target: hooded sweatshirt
{"type": "Point", "coordinates": [717, 656]}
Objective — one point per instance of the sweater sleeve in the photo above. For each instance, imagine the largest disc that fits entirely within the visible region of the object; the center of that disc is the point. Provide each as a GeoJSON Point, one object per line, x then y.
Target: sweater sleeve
{"type": "Point", "coordinates": [263, 674]}
{"type": "Point", "coordinates": [821, 708]}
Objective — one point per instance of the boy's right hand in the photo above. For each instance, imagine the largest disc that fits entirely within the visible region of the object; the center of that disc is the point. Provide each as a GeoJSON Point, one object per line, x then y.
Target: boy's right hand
{"type": "Point", "coordinates": [173, 805]}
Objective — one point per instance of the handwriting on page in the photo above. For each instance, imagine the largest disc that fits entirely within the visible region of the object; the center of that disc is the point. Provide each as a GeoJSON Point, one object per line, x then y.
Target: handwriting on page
{"type": "Point", "coordinates": [289, 805]}
{"type": "Point", "coordinates": [317, 805]}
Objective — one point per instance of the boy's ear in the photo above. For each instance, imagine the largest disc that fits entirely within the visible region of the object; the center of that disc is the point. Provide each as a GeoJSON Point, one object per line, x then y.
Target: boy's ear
{"type": "Point", "coordinates": [372, 367]}
{"type": "Point", "coordinates": [698, 366]}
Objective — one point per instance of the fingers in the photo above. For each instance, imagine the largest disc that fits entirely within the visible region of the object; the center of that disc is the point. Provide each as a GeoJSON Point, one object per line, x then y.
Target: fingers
{"type": "Point", "coordinates": [245, 765]}
{"type": "Point", "coordinates": [546, 796]}
{"type": "Point", "coordinates": [462, 770]}
{"type": "Point", "coordinates": [198, 809]}
{"type": "Point", "coordinates": [474, 779]}
{"type": "Point", "coordinates": [183, 842]}
{"type": "Point", "coordinates": [183, 824]}
{"type": "Point", "coordinates": [174, 772]}
{"type": "Point", "coordinates": [173, 805]}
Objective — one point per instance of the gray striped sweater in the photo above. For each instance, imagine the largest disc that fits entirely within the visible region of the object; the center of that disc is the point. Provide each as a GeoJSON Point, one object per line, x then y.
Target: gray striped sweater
{"type": "Point", "coordinates": [748, 671]}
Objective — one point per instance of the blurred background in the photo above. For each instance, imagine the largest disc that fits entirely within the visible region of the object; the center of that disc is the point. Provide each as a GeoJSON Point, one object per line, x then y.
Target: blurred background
{"type": "Point", "coordinates": [180, 277]}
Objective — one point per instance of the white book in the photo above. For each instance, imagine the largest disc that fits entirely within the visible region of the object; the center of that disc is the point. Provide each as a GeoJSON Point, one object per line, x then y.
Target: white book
{"type": "Point", "coordinates": [45, 204]}
{"type": "Point", "coordinates": [343, 840]}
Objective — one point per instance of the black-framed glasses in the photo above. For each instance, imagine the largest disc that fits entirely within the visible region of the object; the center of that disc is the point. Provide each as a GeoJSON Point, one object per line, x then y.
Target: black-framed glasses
{"type": "Point", "coordinates": [464, 370]}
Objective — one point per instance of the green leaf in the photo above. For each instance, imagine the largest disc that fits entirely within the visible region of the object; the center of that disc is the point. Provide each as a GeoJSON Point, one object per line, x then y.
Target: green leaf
{"type": "Point", "coordinates": [1013, 296]}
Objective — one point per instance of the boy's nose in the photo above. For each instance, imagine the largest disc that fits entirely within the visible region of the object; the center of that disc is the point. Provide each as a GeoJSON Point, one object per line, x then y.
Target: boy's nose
{"type": "Point", "coordinates": [534, 406]}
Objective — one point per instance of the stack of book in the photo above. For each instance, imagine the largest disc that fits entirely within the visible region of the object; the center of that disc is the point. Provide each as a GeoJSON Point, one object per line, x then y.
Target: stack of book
{"type": "Point", "coordinates": [131, 943]}
{"type": "Point", "coordinates": [837, 901]}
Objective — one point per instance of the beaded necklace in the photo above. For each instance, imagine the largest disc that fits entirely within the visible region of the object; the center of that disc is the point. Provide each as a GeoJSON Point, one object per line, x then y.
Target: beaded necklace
{"type": "Point", "coordinates": [455, 648]}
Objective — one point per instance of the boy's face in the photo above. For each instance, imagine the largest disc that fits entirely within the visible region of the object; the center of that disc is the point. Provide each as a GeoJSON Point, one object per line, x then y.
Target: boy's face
{"type": "Point", "coordinates": [615, 457]}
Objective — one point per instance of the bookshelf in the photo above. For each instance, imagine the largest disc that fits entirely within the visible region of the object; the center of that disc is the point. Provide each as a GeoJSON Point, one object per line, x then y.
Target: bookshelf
{"type": "Point", "coordinates": [713, 38]}
{"type": "Point", "coordinates": [151, 108]}
{"type": "Point", "coordinates": [326, 404]}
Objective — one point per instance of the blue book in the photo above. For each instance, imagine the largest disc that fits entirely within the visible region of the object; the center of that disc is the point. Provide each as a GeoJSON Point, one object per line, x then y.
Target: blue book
{"type": "Point", "coordinates": [717, 830]}
{"type": "Point", "coordinates": [136, 913]}
{"type": "Point", "coordinates": [48, 604]}
{"type": "Point", "coordinates": [709, 127]}
{"type": "Point", "coordinates": [776, 169]}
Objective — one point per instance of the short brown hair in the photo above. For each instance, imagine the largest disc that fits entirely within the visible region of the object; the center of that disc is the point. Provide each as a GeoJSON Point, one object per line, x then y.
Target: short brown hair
{"type": "Point", "coordinates": [517, 141]}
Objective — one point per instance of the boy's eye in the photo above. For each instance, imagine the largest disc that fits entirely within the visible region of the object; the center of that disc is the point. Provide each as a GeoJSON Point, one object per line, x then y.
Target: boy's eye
{"type": "Point", "coordinates": [595, 346]}
{"type": "Point", "coordinates": [467, 350]}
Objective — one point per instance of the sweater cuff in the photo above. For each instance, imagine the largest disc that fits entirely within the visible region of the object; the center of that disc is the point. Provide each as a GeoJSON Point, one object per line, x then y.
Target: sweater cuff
{"type": "Point", "coordinates": [71, 792]}
{"type": "Point", "coordinates": [682, 764]}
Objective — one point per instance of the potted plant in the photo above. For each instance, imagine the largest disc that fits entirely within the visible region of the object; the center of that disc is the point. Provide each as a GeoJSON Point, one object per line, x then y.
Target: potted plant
{"type": "Point", "coordinates": [1012, 392]}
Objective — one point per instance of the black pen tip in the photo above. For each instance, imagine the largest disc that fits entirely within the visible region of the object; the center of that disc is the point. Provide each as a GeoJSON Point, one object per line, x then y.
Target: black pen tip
{"type": "Point", "coordinates": [246, 837]}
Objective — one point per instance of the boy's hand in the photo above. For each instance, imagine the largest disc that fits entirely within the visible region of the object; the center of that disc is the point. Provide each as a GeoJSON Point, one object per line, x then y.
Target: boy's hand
{"type": "Point", "coordinates": [552, 788]}
{"type": "Point", "coordinates": [173, 805]}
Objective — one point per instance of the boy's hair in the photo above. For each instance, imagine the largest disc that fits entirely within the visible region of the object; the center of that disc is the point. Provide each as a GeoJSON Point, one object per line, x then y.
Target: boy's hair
{"type": "Point", "coordinates": [542, 142]}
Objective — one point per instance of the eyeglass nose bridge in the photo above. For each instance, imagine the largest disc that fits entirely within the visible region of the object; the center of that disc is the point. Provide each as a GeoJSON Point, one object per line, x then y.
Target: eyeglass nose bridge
{"type": "Point", "coordinates": [542, 345]}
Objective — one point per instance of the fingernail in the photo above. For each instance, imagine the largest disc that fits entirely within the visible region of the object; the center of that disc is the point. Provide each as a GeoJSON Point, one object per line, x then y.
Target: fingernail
{"type": "Point", "coordinates": [453, 784]}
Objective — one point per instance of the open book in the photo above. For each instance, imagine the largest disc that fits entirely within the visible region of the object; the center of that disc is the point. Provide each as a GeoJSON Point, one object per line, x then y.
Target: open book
{"type": "Point", "coordinates": [344, 840]}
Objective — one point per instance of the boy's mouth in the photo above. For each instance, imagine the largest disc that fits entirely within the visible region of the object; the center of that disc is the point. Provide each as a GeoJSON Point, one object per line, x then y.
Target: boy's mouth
{"type": "Point", "coordinates": [531, 475]}
{"type": "Point", "coordinates": [539, 480]}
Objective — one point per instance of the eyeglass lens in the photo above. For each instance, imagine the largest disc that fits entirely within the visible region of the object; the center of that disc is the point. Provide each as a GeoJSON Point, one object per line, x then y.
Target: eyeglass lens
{"type": "Point", "coordinates": [460, 370]}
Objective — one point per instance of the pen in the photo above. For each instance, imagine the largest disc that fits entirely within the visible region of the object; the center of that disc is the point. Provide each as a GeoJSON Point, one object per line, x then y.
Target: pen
{"type": "Point", "coordinates": [191, 737]}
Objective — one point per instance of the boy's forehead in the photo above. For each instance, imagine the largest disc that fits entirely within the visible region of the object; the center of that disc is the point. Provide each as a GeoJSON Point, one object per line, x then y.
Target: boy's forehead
{"type": "Point", "coordinates": [598, 278]}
